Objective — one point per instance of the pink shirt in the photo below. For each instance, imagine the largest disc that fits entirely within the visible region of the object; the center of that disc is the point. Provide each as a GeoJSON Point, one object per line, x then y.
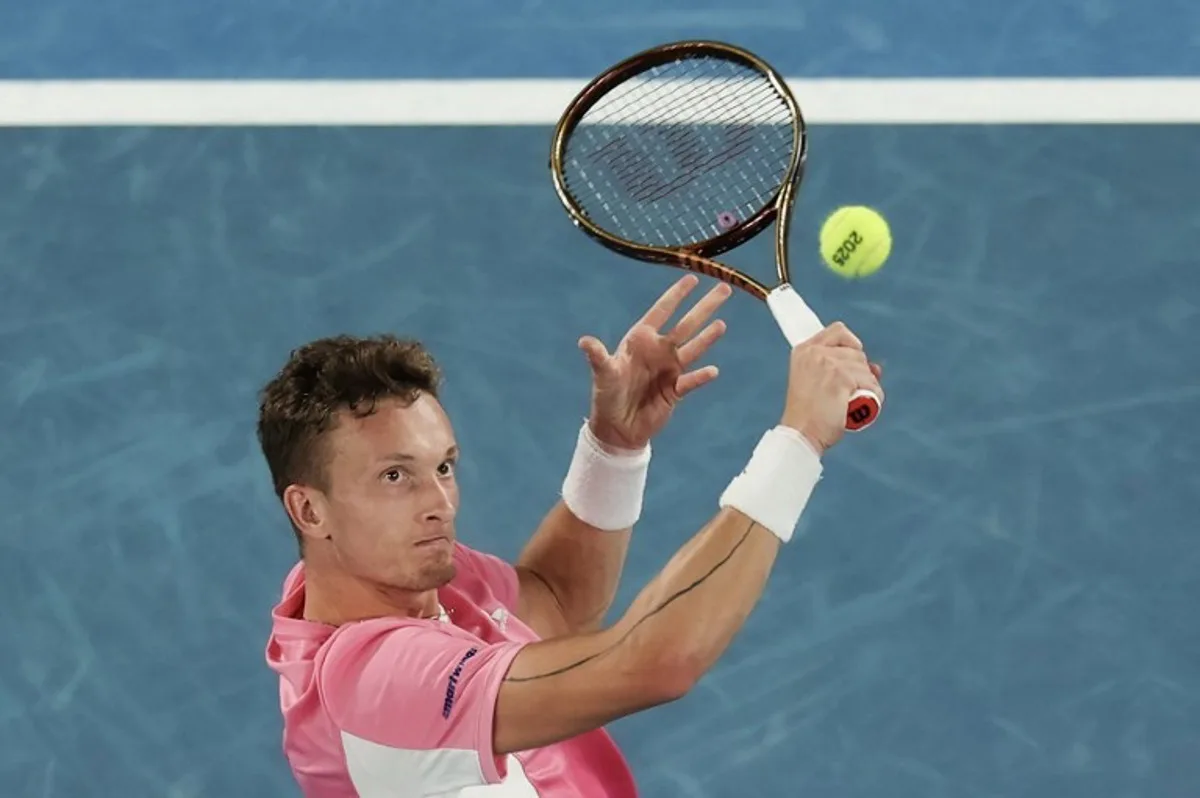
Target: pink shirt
{"type": "Point", "coordinates": [402, 707]}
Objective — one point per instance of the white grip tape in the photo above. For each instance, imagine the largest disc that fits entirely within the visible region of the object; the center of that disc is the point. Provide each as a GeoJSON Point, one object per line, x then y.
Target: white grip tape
{"type": "Point", "coordinates": [777, 483]}
{"type": "Point", "coordinates": [799, 323]}
{"type": "Point", "coordinates": [603, 489]}
{"type": "Point", "coordinates": [793, 315]}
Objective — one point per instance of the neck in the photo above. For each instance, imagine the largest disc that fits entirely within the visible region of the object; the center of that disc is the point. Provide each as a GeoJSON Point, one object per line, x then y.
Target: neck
{"type": "Point", "coordinates": [334, 597]}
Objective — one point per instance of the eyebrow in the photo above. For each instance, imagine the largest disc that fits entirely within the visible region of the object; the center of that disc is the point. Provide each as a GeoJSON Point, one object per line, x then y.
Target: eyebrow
{"type": "Point", "coordinates": [404, 457]}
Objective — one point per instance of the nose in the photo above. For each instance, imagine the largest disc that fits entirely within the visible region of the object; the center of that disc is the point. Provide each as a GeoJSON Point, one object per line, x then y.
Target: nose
{"type": "Point", "coordinates": [442, 502]}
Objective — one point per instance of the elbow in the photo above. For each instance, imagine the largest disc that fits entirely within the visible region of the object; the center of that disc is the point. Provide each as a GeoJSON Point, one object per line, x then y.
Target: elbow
{"type": "Point", "coordinates": [677, 687]}
{"type": "Point", "coordinates": [669, 678]}
{"type": "Point", "coordinates": [660, 666]}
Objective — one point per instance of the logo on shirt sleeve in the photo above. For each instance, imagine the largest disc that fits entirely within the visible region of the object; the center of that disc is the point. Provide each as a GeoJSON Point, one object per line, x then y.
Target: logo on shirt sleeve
{"type": "Point", "coordinates": [452, 684]}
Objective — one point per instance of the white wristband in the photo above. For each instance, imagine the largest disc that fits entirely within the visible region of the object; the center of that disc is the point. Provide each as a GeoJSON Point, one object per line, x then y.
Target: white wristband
{"type": "Point", "coordinates": [602, 489]}
{"type": "Point", "coordinates": [777, 483]}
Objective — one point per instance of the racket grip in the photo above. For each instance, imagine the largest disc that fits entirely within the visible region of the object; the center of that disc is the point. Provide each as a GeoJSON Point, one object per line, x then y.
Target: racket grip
{"type": "Point", "coordinates": [798, 323]}
{"type": "Point", "coordinates": [793, 315]}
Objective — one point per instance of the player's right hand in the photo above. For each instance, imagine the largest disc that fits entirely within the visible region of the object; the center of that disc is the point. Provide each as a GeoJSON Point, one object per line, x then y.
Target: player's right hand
{"type": "Point", "coordinates": [824, 372]}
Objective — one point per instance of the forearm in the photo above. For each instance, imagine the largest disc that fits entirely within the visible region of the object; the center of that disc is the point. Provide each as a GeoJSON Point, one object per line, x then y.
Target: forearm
{"type": "Point", "coordinates": [687, 616]}
{"type": "Point", "coordinates": [694, 608]}
{"type": "Point", "coordinates": [675, 629]}
{"type": "Point", "coordinates": [681, 622]}
{"type": "Point", "coordinates": [580, 564]}
{"type": "Point", "coordinates": [579, 549]}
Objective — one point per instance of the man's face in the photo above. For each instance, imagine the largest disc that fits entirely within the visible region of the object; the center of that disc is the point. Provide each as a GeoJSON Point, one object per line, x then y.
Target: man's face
{"type": "Point", "coordinates": [392, 494]}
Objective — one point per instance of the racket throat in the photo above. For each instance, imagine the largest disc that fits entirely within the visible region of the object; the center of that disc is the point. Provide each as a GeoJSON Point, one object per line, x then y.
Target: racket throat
{"type": "Point", "coordinates": [795, 318]}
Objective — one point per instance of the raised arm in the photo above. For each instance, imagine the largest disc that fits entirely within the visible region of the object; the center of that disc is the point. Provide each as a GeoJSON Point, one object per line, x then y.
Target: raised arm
{"type": "Point", "coordinates": [686, 617]}
{"type": "Point", "coordinates": [571, 567]}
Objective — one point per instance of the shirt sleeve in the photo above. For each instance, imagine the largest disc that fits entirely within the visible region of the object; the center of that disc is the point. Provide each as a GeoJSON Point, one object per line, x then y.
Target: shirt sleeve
{"type": "Point", "coordinates": [417, 701]}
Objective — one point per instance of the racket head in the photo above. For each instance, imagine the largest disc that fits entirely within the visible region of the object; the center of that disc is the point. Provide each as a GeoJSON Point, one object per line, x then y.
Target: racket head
{"type": "Point", "coordinates": [680, 153]}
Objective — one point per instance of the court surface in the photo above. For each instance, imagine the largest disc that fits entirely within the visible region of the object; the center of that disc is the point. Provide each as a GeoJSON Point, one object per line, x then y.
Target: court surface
{"type": "Point", "coordinates": [994, 595]}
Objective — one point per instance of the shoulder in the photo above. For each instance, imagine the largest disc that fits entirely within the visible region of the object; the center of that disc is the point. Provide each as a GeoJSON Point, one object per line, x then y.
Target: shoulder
{"type": "Point", "coordinates": [395, 687]}
{"type": "Point", "coordinates": [393, 641]}
{"type": "Point", "coordinates": [403, 653]}
{"type": "Point", "coordinates": [482, 575]}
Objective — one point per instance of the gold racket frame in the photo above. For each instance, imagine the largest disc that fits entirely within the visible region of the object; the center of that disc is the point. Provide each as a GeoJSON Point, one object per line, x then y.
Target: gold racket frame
{"type": "Point", "coordinates": [694, 257]}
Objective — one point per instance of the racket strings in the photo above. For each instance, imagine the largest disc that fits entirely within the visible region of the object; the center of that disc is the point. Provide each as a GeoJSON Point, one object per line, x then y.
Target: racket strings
{"type": "Point", "coordinates": [671, 116]}
{"type": "Point", "coordinates": [671, 121]}
{"type": "Point", "coordinates": [683, 145]}
{"type": "Point", "coordinates": [688, 106]}
{"type": "Point", "coordinates": [681, 153]}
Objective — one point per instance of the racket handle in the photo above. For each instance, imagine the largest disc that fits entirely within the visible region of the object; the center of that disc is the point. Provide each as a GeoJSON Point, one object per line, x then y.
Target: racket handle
{"type": "Point", "coordinates": [799, 323]}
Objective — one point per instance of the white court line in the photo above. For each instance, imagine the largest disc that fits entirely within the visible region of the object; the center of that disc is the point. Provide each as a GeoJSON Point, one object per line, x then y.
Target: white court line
{"type": "Point", "coordinates": [538, 102]}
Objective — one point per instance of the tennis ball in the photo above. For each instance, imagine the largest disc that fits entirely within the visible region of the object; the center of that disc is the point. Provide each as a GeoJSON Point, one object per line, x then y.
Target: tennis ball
{"type": "Point", "coordinates": [855, 241]}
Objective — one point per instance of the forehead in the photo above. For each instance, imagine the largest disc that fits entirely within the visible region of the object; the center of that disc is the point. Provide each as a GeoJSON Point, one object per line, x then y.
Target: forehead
{"type": "Point", "coordinates": [419, 429]}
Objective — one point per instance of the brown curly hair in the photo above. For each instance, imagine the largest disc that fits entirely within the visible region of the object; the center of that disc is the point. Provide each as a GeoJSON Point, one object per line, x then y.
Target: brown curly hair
{"type": "Point", "coordinates": [325, 377]}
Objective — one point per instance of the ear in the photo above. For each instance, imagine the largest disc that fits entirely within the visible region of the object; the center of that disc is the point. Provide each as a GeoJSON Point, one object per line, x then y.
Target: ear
{"type": "Point", "coordinates": [306, 507]}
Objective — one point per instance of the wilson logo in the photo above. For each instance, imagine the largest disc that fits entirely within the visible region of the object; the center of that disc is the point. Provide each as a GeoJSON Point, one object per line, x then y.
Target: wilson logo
{"type": "Point", "coordinates": [647, 179]}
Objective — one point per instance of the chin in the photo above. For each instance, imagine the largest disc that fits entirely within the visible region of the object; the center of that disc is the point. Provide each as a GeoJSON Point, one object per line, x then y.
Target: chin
{"type": "Point", "coordinates": [435, 562]}
{"type": "Point", "coordinates": [436, 576]}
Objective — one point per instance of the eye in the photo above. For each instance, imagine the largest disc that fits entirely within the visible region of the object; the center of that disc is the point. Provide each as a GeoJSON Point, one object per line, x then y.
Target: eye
{"type": "Point", "coordinates": [393, 475]}
{"type": "Point", "coordinates": [446, 468]}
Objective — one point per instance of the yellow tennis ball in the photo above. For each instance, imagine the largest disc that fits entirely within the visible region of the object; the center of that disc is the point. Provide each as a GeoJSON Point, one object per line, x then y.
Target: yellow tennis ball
{"type": "Point", "coordinates": [855, 241]}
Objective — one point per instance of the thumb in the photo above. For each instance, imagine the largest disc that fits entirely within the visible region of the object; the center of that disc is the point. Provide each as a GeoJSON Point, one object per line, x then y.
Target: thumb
{"type": "Point", "coordinates": [597, 355]}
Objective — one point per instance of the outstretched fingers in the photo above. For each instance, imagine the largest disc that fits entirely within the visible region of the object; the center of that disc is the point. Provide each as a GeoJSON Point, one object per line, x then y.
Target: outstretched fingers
{"type": "Point", "coordinates": [666, 305]}
{"type": "Point", "coordinates": [699, 314]}
{"type": "Point", "coordinates": [695, 349]}
{"type": "Point", "coordinates": [692, 380]}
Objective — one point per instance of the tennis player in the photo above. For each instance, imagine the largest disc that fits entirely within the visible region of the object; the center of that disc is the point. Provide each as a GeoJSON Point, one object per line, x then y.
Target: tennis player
{"type": "Point", "coordinates": [411, 665]}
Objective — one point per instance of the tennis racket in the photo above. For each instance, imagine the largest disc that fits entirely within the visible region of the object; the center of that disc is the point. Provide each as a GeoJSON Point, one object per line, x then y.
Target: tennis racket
{"type": "Point", "coordinates": [683, 152]}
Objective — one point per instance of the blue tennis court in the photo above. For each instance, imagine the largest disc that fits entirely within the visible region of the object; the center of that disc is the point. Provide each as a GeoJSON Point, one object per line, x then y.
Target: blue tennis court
{"type": "Point", "coordinates": [995, 591]}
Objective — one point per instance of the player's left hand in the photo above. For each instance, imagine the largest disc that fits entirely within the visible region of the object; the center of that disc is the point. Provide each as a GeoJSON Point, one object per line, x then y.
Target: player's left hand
{"type": "Point", "coordinates": [635, 389]}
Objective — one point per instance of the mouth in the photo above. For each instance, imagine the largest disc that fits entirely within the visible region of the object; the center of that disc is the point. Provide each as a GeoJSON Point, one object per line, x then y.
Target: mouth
{"type": "Point", "coordinates": [433, 541]}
